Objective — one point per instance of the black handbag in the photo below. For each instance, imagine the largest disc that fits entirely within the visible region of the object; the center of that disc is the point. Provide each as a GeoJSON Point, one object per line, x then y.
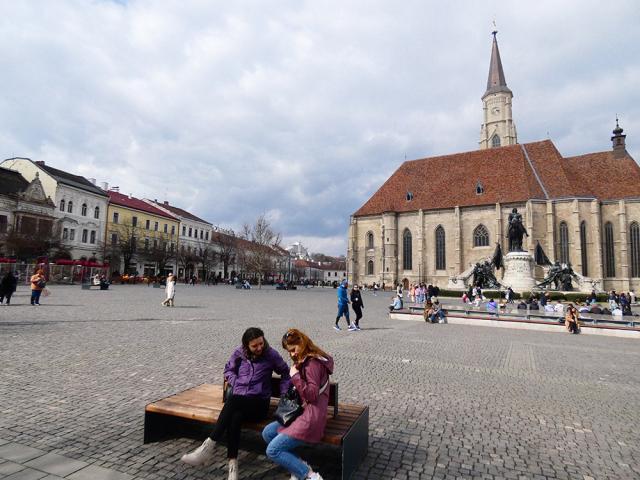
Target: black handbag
{"type": "Point", "coordinates": [289, 407]}
{"type": "Point", "coordinates": [227, 391]}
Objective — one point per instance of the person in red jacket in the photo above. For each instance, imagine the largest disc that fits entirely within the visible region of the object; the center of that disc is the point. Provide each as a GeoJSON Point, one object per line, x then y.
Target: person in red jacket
{"type": "Point", "coordinates": [310, 375]}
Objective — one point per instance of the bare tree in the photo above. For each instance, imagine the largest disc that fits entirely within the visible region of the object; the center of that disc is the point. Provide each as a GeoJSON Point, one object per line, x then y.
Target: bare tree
{"type": "Point", "coordinates": [160, 254]}
{"type": "Point", "coordinates": [258, 254]}
{"type": "Point", "coordinates": [187, 259]}
{"type": "Point", "coordinates": [206, 258]}
{"type": "Point", "coordinates": [227, 246]}
{"type": "Point", "coordinates": [124, 243]}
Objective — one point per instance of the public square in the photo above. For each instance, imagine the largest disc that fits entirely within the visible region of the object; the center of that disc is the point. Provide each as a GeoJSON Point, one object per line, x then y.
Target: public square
{"type": "Point", "coordinates": [446, 401]}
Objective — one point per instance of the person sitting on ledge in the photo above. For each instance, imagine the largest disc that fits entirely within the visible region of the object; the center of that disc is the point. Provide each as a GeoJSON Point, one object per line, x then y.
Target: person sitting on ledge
{"type": "Point", "coordinates": [492, 306]}
{"type": "Point", "coordinates": [548, 307]}
{"type": "Point", "coordinates": [534, 304]}
{"type": "Point", "coordinates": [583, 308]}
{"type": "Point", "coordinates": [558, 307]}
{"type": "Point", "coordinates": [595, 308]}
{"type": "Point", "coordinates": [436, 312]}
{"type": "Point", "coordinates": [522, 305]}
{"type": "Point", "coordinates": [571, 319]}
{"type": "Point", "coordinates": [397, 303]}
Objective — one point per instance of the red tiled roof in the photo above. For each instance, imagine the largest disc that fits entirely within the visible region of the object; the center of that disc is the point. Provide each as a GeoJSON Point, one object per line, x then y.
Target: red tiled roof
{"type": "Point", "coordinates": [118, 198]}
{"type": "Point", "coordinates": [605, 176]}
{"type": "Point", "coordinates": [179, 211]}
{"type": "Point", "coordinates": [506, 175]}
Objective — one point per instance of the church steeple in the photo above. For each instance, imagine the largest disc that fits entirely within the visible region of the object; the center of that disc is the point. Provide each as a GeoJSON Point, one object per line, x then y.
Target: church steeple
{"type": "Point", "coordinates": [498, 128]}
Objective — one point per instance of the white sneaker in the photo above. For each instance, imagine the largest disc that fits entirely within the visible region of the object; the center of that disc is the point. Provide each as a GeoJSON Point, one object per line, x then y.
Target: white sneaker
{"type": "Point", "coordinates": [201, 456]}
{"type": "Point", "coordinates": [352, 328]}
{"type": "Point", "coordinates": [233, 469]}
{"type": "Point", "coordinates": [337, 328]}
{"type": "Point", "coordinates": [315, 476]}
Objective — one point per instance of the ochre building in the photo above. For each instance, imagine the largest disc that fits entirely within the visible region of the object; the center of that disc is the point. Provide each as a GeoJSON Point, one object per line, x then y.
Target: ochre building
{"type": "Point", "coordinates": [435, 217]}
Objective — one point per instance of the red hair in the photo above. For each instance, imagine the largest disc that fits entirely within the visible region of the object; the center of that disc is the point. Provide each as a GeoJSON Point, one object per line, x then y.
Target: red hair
{"type": "Point", "coordinates": [309, 349]}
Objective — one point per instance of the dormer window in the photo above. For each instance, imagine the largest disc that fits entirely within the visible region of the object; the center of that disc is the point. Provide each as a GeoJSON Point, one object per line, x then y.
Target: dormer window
{"type": "Point", "coordinates": [409, 196]}
{"type": "Point", "coordinates": [479, 188]}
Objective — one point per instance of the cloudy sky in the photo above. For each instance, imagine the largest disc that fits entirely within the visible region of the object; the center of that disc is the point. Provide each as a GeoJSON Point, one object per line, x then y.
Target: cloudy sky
{"type": "Point", "coordinates": [300, 109]}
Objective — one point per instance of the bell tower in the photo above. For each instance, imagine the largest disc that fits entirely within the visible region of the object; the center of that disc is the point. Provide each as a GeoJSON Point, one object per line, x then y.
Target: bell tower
{"type": "Point", "coordinates": [497, 129]}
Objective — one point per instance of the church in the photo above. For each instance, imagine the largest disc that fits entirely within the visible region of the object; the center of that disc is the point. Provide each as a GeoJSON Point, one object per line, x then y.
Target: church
{"type": "Point", "coordinates": [436, 217]}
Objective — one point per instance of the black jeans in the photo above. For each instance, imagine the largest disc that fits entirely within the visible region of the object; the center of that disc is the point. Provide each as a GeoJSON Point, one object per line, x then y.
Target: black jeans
{"type": "Point", "coordinates": [358, 312]}
{"type": "Point", "coordinates": [237, 409]}
{"type": "Point", "coordinates": [7, 296]}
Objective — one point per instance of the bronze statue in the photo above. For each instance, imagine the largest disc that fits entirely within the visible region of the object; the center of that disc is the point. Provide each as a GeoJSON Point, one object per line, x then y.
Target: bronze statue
{"type": "Point", "coordinates": [516, 231]}
{"type": "Point", "coordinates": [560, 276]}
{"type": "Point", "coordinates": [483, 276]}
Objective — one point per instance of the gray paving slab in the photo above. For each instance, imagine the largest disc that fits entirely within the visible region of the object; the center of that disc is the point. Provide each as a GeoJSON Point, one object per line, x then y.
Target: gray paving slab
{"type": "Point", "coordinates": [27, 474]}
{"type": "Point", "coordinates": [446, 401]}
{"type": "Point", "coordinates": [7, 468]}
{"type": "Point", "coordinates": [93, 472]}
{"type": "Point", "coordinates": [3, 441]}
{"type": "Point", "coordinates": [52, 477]}
{"type": "Point", "coordinates": [19, 453]}
{"type": "Point", "coordinates": [56, 464]}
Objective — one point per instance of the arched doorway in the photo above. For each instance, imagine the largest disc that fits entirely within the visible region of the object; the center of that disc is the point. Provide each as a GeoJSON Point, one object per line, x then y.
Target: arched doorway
{"type": "Point", "coordinates": [405, 284]}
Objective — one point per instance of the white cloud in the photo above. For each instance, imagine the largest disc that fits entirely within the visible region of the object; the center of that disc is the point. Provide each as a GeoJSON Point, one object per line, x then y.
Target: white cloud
{"type": "Point", "coordinates": [304, 108]}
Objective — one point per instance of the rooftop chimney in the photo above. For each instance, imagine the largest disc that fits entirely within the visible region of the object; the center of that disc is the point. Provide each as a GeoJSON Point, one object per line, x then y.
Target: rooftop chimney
{"type": "Point", "coordinates": [166, 202]}
{"type": "Point", "coordinates": [40, 162]}
{"type": "Point", "coordinates": [115, 189]}
{"type": "Point", "coordinates": [92, 180]}
{"type": "Point", "coordinates": [104, 186]}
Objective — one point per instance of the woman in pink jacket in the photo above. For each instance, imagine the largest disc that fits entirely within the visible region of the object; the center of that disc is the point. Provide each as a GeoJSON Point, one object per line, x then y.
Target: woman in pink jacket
{"type": "Point", "coordinates": [310, 375]}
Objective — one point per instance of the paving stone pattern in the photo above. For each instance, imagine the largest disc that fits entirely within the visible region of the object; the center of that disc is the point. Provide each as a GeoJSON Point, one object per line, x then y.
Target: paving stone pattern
{"type": "Point", "coordinates": [447, 401]}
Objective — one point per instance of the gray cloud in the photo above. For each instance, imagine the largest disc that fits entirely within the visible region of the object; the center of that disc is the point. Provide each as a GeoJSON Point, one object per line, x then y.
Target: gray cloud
{"type": "Point", "coordinates": [300, 109]}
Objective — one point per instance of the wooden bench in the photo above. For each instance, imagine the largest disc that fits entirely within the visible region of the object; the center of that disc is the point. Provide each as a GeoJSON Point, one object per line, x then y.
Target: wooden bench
{"type": "Point", "coordinates": [193, 412]}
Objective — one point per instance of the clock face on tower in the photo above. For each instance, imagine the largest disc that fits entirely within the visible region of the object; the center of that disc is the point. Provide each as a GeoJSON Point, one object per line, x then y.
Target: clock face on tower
{"type": "Point", "coordinates": [495, 110]}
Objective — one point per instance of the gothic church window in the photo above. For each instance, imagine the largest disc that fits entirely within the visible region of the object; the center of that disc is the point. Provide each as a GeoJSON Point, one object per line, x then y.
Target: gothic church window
{"type": "Point", "coordinates": [495, 141]}
{"type": "Point", "coordinates": [564, 243]}
{"type": "Point", "coordinates": [407, 261]}
{"type": "Point", "coordinates": [369, 239]}
{"type": "Point", "coordinates": [634, 232]}
{"type": "Point", "coordinates": [481, 236]}
{"type": "Point", "coordinates": [370, 267]}
{"type": "Point", "coordinates": [441, 263]}
{"type": "Point", "coordinates": [609, 253]}
{"type": "Point", "coordinates": [583, 248]}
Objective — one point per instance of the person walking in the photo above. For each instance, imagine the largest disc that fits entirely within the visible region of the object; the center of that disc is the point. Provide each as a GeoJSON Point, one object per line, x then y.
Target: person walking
{"type": "Point", "coordinates": [38, 283]}
{"type": "Point", "coordinates": [248, 372]}
{"type": "Point", "coordinates": [310, 375]}
{"type": "Point", "coordinates": [8, 285]}
{"type": "Point", "coordinates": [343, 305]}
{"type": "Point", "coordinates": [357, 305]}
{"type": "Point", "coordinates": [170, 289]}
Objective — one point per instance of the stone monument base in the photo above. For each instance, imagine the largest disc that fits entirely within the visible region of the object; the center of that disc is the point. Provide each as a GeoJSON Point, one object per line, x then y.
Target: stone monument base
{"type": "Point", "coordinates": [518, 272]}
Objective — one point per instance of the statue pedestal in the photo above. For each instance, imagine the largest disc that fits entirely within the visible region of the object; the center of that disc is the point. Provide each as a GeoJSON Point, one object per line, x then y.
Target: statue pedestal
{"type": "Point", "coordinates": [518, 271]}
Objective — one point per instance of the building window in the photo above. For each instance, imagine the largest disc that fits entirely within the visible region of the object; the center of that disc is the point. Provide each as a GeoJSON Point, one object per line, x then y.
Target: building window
{"type": "Point", "coordinates": [171, 247]}
{"type": "Point", "coordinates": [65, 234]}
{"type": "Point", "coordinates": [441, 262]}
{"type": "Point", "coordinates": [190, 231]}
{"type": "Point", "coordinates": [134, 244]}
{"type": "Point", "coordinates": [409, 196]}
{"type": "Point", "coordinates": [609, 257]}
{"type": "Point", "coordinates": [147, 224]}
{"type": "Point", "coordinates": [96, 212]}
{"type": "Point", "coordinates": [201, 233]}
{"type": "Point", "coordinates": [146, 244]}
{"type": "Point", "coordinates": [134, 221]}
{"type": "Point", "coordinates": [166, 228]}
{"type": "Point", "coordinates": [114, 239]}
{"type": "Point", "coordinates": [62, 205]}
{"type": "Point", "coordinates": [92, 238]}
{"type": "Point", "coordinates": [83, 210]}
{"type": "Point", "coordinates": [184, 231]}
{"type": "Point", "coordinates": [369, 239]}
{"type": "Point", "coordinates": [173, 229]}
{"type": "Point", "coordinates": [116, 217]}
{"type": "Point", "coordinates": [407, 263]}
{"type": "Point", "coordinates": [583, 248]}
{"type": "Point", "coordinates": [479, 188]}
{"type": "Point", "coordinates": [495, 141]}
{"type": "Point", "coordinates": [206, 235]}
{"type": "Point", "coordinates": [85, 235]}
{"type": "Point", "coordinates": [634, 232]}
{"type": "Point", "coordinates": [370, 267]}
{"type": "Point", "coordinates": [72, 234]}
{"type": "Point", "coordinates": [564, 243]}
{"type": "Point", "coordinates": [155, 226]}
{"type": "Point", "coordinates": [481, 236]}
{"type": "Point", "coordinates": [70, 207]}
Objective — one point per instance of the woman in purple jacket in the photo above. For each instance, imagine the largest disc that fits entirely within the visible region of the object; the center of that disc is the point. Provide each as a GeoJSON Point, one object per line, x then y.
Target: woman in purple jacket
{"type": "Point", "coordinates": [249, 372]}
{"type": "Point", "coordinates": [310, 375]}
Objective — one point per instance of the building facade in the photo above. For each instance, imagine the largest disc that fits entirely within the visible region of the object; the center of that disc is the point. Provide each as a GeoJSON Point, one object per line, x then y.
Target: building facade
{"type": "Point", "coordinates": [583, 211]}
{"type": "Point", "coordinates": [141, 239]}
{"type": "Point", "coordinates": [81, 207]}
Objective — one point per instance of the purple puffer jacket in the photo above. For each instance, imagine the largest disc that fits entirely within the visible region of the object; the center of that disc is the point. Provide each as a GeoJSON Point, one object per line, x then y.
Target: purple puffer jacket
{"type": "Point", "coordinates": [309, 427]}
{"type": "Point", "coordinates": [253, 378]}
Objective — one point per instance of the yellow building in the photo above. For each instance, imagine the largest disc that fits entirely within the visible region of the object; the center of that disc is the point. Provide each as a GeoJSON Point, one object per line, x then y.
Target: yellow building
{"type": "Point", "coordinates": [140, 237]}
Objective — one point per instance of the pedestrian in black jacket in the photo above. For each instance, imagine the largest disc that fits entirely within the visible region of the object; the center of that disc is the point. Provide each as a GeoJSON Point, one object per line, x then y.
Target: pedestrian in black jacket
{"type": "Point", "coordinates": [8, 285]}
{"type": "Point", "coordinates": [356, 303]}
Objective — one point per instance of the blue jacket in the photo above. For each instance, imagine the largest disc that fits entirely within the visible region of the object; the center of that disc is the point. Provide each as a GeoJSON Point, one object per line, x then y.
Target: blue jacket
{"type": "Point", "coordinates": [343, 297]}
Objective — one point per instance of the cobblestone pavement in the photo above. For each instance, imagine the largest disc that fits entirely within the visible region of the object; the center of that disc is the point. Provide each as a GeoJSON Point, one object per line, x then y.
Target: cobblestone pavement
{"type": "Point", "coordinates": [447, 401]}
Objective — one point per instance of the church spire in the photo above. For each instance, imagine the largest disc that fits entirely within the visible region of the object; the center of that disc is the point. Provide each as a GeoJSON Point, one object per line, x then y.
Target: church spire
{"type": "Point", "coordinates": [497, 128]}
{"type": "Point", "coordinates": [496, 81]}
